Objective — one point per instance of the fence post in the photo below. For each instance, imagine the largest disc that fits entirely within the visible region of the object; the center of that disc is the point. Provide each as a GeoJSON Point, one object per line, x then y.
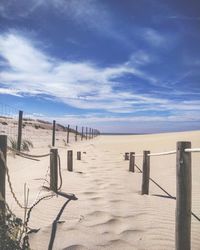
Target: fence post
{"type": "Point", "coordinates": [183, 197]}
{"type": "Point", "coordinates": [126, 156]}
{"type": "Point", "coordinates": [70, 160]}
{"type": "Point", "coordinates": [79, 155]}
{"type": "Point", "coordinates": [90, 133]}
{"type": "Point", "coordinates": [82, 133]}
{"type": "Point", "coordinates": [145, 172]}
{"type": "Point", "coordinates": [54, 169]}
{"type": "Point", "coordinates": [68, 134]}
{"type": "Point", "coordinates": [53, 133]}
{"type": "Point", "coordinates": [76, 133]}
{"type": "Point", "coordinates": [132, 162]}
{"type": "Point", "coordinates": [19, 136]}
{"type": "Point", "coordinates": [3, 148]}
{"type": "Point", "coordinates": [86, 133]}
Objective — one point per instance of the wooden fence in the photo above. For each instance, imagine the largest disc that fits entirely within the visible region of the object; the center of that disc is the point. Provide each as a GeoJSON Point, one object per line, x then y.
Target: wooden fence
{"type": "Point", "coordinates": [20, 120]}
{"type": "Point", "coordinates": [183, 187]}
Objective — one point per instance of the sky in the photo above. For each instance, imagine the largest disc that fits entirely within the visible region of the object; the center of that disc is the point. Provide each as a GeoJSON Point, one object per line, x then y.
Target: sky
{"type": "Point", "coordinates": [118, 66]}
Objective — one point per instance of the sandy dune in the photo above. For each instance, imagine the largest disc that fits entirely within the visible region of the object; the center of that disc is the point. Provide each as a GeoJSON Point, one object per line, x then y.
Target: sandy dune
{"type": "Point", "coordinates": [110, 212]}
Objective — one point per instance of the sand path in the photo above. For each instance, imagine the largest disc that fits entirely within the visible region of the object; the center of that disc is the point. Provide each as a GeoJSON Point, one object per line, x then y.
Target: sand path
{"type": "Point", "coordinates": [110, 212]}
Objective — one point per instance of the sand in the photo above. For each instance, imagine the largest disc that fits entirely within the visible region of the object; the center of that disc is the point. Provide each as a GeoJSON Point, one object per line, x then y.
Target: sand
{"type": "Point", "coordinates": [110, 212]}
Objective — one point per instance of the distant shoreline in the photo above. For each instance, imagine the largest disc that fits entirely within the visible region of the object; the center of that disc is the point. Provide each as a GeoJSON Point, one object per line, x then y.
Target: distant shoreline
{"type": "Point", "coordinates": [124, 133]}
{"type": "Point", "coordinates": [151, 133]}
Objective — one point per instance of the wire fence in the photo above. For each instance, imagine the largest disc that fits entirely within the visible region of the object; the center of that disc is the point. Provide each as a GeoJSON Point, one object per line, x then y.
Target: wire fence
{"type": "Point", "coordinates": [45, 191]}
{"type": "Point", "coordinates": [39, 130]}
{"type": "Point", "coordinates": [8, 121]}
{"type": "Point", "coordinates": [20, 131]}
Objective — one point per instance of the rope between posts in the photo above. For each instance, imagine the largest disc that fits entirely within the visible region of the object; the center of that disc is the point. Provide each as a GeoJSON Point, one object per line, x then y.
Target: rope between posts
{"type": "Point", "coordinates": [192, 150]}
{"type": "Point", "coordinates": [163, 153]}
{"type": "Point", "coordinates": [172, 197]}
{"type": "Point", "coordinates": [9, 182]}
{"type": "Point", "coordinates": [28, 155]}
{"type": "Point", "coordinates": [170, 152]}
{"type": "Point", "coordinates": [10, 185]}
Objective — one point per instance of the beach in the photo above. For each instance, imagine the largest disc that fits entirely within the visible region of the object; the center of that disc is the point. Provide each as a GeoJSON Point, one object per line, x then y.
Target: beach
{"type": "Point", "coordinates": [110, 212]}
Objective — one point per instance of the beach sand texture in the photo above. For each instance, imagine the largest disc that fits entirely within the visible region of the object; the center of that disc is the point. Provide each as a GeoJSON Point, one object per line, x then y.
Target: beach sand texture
{"type": "Point", "coordinates": [110, 212]}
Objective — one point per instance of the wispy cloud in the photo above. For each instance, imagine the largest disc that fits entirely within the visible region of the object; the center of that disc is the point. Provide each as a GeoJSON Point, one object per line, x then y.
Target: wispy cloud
{"type": "Point", "coordinates": [27, 70]}
{"type": "Point", "coordinates": [153, 37]}
{"type": "Point", "coordinates": [186, 18]}
{"type": "Point", "coordinates": [80, 84]}
{"type": "Point", "coordinates": [102, 119]}
{"type": "Point", "coordinates": [20, 9]}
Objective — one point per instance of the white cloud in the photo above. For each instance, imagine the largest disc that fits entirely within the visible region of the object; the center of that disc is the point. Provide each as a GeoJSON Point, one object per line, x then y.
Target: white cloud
{"type": "Point", "coordinates": [80, 84]}
{"type": "Point", "coordinates": [92, 15]}
{"type": "Point", "coordinates": [154, 37]}
{"type": "Point", "coordinates": [101, 119]}
{"type": "Point", "coordinates": [9, 91]}
{"type": "Point", "coordinates": [28, 70]}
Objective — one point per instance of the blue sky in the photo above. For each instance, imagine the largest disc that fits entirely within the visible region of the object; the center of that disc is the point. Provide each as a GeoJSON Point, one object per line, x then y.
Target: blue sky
{"type": "Point", "coordinates": [119, 66]}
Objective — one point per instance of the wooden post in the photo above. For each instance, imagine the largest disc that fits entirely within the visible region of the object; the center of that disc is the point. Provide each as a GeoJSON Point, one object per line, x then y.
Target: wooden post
{"type": "Point", "coordinates": [78, 155]}
{"type": "Point", "coordinates": [126, 156]}
{"type": "Point", "coordinates": [183, 197]}
{"type": "Point", "coordinates": [86, 133]}
{"type": "Point", "coordinates": [132, 162]}
{"type": "Point", "coordinates": [76, 133]}
{"type": "Point", "coordinates": [68, 134]}
{"type": "Point", "coordinates": [54, 169]}
{"type": "Point", "coordinates": [82, 133]}
{"type": "Point", "coordinates": [146, 172]}
{"type": "Point", "coordinates": [53, 133]}
{"type": "Point", "coordinates": [3, 148]}
{"type": "Point", "coordinates": [20, 124]}
{"type": "Point", "coordinates": [90, 133]}
{"type": "Point", "coordinates": [70, 160]}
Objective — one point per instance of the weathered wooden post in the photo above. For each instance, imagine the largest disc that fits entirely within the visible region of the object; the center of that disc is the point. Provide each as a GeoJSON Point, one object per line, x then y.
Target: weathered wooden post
{"type": "Point", "coordinates": [68, 133]}
{"type": "Point", "coordinates": [78, 155]}
{"type": "Point", "coordinates": [70, 160]}
{"type": "Point", "coordinates": [3, 149]}
{"type": "Point", "coordinates": [54, 169]}
{"type": "Point", "coordinates": [76, 133]}
{"type": "Point", "coordinates": [183, 197]}
{"type": "Point", "coordinates": [146, 172]}
{"type": "Point", "coordinates": [86, 133]}
{"type": "Point", "coordinates": [19, 136]}
{"type": "Point", "coordinates": [90, 133]}
{"type": "Point", "coordinates": [82, 133]}
{"type": "Point", "coordinates": [126, 156]}
{"type": "Point", "coordinates": [53, 133]}
{"type": "Point", "coordinates": [132, 162]}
